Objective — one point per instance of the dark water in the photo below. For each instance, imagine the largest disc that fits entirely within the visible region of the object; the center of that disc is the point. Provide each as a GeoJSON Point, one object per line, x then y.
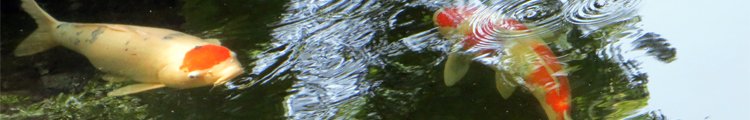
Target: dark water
{"type": "Point", "coordinates": [331, 59]}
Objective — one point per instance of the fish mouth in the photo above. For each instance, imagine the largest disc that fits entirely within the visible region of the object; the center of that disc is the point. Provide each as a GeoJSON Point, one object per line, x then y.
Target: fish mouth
{"type": "Point", "coordinates": [228, 75]}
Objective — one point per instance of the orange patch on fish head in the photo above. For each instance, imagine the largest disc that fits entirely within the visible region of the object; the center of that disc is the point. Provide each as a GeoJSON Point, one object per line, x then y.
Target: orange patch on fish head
{"type": "Point", "coordinates": [204, 57]}
{"type": "Point", "coordinates": [452, 16]}
{"type": "Point", "coordinates": [448, 19]}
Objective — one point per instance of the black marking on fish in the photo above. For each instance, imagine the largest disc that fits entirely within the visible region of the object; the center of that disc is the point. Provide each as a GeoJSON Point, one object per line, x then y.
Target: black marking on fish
{"type": "Point", "coordinates": [77, 41]}
{"type": "Point", "coordinates": [62, 25]}
{"type": "Point", "coordinates": [78, 33]}
{"type": "Point", "coordinates": [126, 49]}
{"type": "Point", "coordinates": [172, 35]}
{"type": "Point", "coordinates": [78, 25]}
{"type": "Point", "coordinates": [95, 34]}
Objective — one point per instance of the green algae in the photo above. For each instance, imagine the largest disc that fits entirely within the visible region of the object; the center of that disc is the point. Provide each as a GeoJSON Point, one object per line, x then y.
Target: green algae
{"type": "Point", "coordinates": [90, 104]}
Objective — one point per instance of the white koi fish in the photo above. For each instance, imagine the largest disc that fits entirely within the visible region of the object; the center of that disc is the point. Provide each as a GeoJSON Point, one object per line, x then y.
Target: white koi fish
{"type": "Point", "coordinates": [154, 57]}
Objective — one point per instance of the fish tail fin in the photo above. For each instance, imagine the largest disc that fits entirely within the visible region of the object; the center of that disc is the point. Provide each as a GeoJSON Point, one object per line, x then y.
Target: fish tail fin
{"type": "Point", "coordinates": [40, 16]}
{"type": "Point", "coordinates": [41, 39]}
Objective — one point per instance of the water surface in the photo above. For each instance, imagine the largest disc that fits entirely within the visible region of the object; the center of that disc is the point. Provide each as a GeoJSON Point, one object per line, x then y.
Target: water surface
{"type": "Point", "coordinates": [340, 59]}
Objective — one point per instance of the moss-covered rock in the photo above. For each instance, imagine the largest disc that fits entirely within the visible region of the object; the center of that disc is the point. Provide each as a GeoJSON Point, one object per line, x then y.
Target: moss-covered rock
{"type": "Point", "coordinates": [92, 103]}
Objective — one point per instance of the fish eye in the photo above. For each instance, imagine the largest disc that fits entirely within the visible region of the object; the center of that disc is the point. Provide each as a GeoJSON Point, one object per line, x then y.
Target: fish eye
{"type": "Point", "coordinates": [194, 75]}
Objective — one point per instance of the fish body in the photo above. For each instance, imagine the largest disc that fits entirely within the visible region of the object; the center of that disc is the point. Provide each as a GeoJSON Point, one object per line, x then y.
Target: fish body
{"type": "Point", "coordinates": [528, 57]}
{"type": "Point", "coordinates": [543, 75]}
{"type": "Point", "coordinates": [154, 57]}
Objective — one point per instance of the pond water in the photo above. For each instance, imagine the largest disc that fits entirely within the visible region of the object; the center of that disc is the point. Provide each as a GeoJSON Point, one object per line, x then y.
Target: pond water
{"type": "Point", "coordinates": [358, 59]}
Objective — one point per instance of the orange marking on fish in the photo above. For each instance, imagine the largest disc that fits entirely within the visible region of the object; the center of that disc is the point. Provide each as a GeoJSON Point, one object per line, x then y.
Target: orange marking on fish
{"type": "Point", "coordinates": [452, 16]}
{"type": "Point", "coordinates": [558, 95]}
{"type": "Point", "coordinates": [204, 57]}
{"type": "Point", "coordinates": [547, 56]}
{"type": "Point", "coordinates": [560, 99]}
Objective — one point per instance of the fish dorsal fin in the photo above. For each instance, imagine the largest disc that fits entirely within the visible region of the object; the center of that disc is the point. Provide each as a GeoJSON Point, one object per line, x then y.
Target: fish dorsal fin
{"type": "Point", "coordinates": [213, 41]}
{"type": "Point", "coordinates": [120, 28]}
{"type": "Point", "coordinates": [135, 88]}
{"type": "Point", "coordinates": [204, 57]}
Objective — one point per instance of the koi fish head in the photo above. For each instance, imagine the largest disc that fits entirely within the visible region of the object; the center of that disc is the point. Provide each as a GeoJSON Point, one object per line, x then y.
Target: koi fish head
{"type": "Point", "coordinates": [203, 65]}
{"type": "Point", "coordinates": [447, 19]}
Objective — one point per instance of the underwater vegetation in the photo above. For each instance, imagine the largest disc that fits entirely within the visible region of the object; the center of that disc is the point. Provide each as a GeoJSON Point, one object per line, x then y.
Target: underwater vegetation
{"type": "Point", "coordinates": [355, 59]}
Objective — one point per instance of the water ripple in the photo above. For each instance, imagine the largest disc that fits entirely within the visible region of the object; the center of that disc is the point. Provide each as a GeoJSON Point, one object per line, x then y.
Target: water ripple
{"type": "Point", "coordinates": [594, 14]}
{"type": "Point", "coordinates": [496, 22]}
{"type": "Point", "coordinates": [539, 16]}
{"type": "Point", "coordinates": [325, 45]}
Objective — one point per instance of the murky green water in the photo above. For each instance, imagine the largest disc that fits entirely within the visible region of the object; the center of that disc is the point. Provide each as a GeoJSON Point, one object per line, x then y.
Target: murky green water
{"type": "Point", "coordinates": [324, 59]}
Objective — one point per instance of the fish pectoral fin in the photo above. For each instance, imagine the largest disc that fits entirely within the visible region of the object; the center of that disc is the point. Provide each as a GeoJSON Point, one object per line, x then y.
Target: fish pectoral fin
{"type": "Point", "coordinates": [114, 78]}
{"type": "Point", "coordinates": [455, 68]}
{"type": "Point", "coordinates": [135, 88]}
{"type": "Point", "coordinates": [505, 84]}
{"type": "Point", "coordinates": [213, 41]}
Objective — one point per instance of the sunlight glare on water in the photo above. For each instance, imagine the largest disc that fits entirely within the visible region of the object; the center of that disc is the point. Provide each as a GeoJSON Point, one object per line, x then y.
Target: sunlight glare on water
{"type": "Point", "coordinates": [324, 43]}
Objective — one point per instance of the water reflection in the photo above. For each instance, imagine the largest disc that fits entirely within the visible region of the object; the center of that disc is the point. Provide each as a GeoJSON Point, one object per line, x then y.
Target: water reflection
{"type": "Point", "coordinates": [323, 59]}
{"type": "Point", "coordinates": [310, 37]}
{"type": "Point", "coordinates": [326, 45]}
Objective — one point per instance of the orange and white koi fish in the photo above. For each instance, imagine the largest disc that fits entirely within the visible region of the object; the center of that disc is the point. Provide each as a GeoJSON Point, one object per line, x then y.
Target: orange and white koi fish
{"type": "Point", "coordinates": [155, 57]}
{"type": "Point", "coordinates": [529, 57]}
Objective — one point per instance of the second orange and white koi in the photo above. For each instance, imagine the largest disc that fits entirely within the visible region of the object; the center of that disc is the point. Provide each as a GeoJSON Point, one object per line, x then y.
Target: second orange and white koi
{"type": "Point", "coordinates": [527, 57]}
